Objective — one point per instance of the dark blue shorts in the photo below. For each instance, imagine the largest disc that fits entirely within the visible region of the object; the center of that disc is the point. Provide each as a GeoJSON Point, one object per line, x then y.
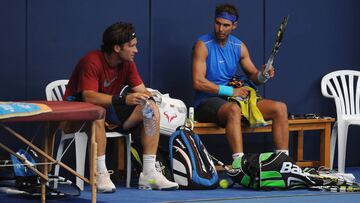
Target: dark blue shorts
{"type": "Point", "coordinates": [208, 108]}
{"type": "Point", "coordinates": [118, 114]}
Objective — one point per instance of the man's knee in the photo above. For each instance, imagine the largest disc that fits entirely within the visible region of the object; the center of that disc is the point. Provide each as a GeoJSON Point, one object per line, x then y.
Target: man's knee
{"type": "Point", "coordinates": [281, 109]}
{"type": "Point", "coordinates": [155, 109]}
{"type": "Point", "coordinates": [233, 111]}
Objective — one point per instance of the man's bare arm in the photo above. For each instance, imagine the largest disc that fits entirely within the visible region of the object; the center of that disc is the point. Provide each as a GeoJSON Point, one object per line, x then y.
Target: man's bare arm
{"type": "Point", "coordinates": [249, 67]}
{"type": "Point", "coordinates": [247, 64]}
{"type": "Point", "coordinates": [105, 100]}
{"type": "Point", "coordinates": [142, 89]}
{"type": "Point", "coordinates": [96, 98]}
{"type": "Point", "coordinates": [200, 83]}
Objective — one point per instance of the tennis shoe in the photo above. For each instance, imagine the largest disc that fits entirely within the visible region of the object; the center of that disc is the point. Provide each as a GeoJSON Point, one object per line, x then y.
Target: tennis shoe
{"type": "Point", "coordinates": [104, 183]}
{"type": "Point", "coordinates": [236, 164]}
{"type": "Point", "coordinates": [156, 181]}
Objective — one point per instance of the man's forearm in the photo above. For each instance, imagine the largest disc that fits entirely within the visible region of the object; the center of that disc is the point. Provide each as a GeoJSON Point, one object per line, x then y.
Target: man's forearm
{"type": "Point", "coordinates": [206, 86]}
{"type": "Point", "coordinates": [97, 98]}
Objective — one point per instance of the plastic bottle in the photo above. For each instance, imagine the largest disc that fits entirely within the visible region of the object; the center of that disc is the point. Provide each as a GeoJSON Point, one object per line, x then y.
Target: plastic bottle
{"type": "Point", "coordinates": [148, 119]}
{"type": "Point", "coordinates": [191, 113]}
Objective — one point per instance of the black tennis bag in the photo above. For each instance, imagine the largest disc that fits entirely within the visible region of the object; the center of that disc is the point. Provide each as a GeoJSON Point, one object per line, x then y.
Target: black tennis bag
{"type": "Point", "coordinates": [190, 163]}
{"type": "Point", "coordinates": [269, 171]}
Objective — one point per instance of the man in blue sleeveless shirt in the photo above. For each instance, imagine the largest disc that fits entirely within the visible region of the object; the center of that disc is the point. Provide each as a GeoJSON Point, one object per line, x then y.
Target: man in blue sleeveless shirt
{"type": "Point", "coordinates": [216, 59]}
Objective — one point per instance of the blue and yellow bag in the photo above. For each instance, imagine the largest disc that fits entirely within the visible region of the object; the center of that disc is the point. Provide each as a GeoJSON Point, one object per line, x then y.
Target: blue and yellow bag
{"type": "Point", "coordinates": [190, 164]}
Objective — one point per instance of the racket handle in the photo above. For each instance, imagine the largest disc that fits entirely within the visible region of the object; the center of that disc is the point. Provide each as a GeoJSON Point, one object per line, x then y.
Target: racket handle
{"type": "Point", "coordinates": [268, 66]}
{"type": "Point", "coordinates": [220, 163]}
{"type": "Point", "coordinates": [224, 166]}
{"type": "Point", "coordinates": [11, 191]}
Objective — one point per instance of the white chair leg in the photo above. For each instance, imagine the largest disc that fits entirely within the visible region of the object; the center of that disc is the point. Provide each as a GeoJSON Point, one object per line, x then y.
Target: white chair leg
{"type": "Point", "coordinates": [334, 134]}
{"type": "Point", "coordinates": [58, 156]}
{"type": "Point", "coordinates": [80, 148]}
{"type": "Point", "coordinates": [128, 160]}
{"type": "Point", "coordinates": [342, 131]}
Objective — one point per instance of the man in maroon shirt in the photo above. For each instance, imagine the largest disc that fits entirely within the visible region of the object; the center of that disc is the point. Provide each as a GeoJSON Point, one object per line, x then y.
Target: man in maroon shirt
{"type": "Point", "coordinates": [98, 78]}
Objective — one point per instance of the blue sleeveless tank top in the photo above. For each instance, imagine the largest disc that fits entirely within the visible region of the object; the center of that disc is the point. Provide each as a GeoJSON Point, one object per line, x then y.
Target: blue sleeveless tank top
{"type": "Point", "coordinates": [222, 63]}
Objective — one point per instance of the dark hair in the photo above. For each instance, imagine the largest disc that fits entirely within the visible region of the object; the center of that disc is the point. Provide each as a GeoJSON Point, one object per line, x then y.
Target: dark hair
{"type": "Point", "coordinates": [118, 33]}
{"type": "Point", "coordinates": [227, 8]}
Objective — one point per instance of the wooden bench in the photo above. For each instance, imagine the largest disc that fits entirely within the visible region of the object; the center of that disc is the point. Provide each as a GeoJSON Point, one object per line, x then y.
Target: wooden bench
{"type": "Point", "coordinates": [295, 125]}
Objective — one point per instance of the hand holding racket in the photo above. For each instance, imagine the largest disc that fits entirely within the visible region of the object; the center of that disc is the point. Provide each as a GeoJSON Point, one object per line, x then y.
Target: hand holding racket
{"type": "Point", "coordinates": [276, 47]}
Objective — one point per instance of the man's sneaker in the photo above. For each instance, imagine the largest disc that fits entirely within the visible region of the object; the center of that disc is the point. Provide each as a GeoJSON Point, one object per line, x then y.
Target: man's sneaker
{"type": "Point", "coordinates": [236, 164]}
{"type": "Point", "coordinates": [104, 183]}
{"type": "Point", "coordinates": [156, 181]}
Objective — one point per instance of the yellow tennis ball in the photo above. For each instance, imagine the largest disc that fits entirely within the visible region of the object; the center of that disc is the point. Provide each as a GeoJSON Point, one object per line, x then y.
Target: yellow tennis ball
{"type": "Point", "coordinates": [224, 184]}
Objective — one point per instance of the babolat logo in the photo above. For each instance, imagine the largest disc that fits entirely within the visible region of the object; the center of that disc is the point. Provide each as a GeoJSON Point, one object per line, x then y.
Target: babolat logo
{"type": "Point", "coordinates": [288, 167]}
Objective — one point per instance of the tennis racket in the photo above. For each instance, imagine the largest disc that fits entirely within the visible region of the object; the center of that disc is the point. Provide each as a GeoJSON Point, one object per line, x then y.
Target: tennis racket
{"type": "Point", "coordinates": [343, 188]}
{"type": "Point", "coordinates": [277, 45]}
{"type": "Point", "coordinates": [227, 169]}
{"type": "Point", "coordinates": [330, 183]}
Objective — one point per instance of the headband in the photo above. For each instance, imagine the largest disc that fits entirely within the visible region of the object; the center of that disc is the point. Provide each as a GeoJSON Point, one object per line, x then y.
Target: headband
{"type": "Point", "coordinates": [227, 16]}
{"type": "Point", "coordinates": [132, 36]}
{"type": "Point", "coordinates": [128, 39]}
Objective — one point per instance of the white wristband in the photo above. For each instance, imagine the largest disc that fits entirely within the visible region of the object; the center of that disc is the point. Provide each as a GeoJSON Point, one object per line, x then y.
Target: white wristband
{"type": "Point", "coordinates": [261, 78]}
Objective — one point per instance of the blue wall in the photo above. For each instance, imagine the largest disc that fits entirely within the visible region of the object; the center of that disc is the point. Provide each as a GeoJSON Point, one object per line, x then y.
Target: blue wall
{"type": "Point", "coordinates": [42, 40]}
{"type": "Point", "coordinates": [13, 66]}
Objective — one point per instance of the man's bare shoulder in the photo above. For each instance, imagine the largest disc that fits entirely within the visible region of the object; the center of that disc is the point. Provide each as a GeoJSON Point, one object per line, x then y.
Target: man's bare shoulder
{"type": "Point", "coordinates": [200, 47]}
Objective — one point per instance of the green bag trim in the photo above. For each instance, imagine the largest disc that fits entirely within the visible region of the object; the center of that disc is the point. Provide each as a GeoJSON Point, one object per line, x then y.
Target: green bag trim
{"type": "Point", "coordinates": [271, 178]}
{"type": "Point", "coordinates": [270, 174]}
{"type": "Point", "coordinates": [245, 180]}
{"type": "Point", "coordinates": [273, 183]}
{"type": "Point", "coordinates": [265, 156]}
{"type": "Point", "coordinates": [256, 185]}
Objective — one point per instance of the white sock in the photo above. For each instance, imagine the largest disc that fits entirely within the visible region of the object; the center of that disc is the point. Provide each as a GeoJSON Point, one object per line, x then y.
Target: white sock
{"type": "Point", "coordinates": [237, 155]}
{"type": "Point", "coordinates": [148, 163]}
{"type": "Point", "coordinates": [100, 163]}
{"type": "Point", "coordinates": [285, 151]}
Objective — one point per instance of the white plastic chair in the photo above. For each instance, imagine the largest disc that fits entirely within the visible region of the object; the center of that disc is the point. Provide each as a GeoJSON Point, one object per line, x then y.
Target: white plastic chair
{"type": "Point", "coordinates": [55, 92]}
{"type": "Point", "coordinates": [344, 87]}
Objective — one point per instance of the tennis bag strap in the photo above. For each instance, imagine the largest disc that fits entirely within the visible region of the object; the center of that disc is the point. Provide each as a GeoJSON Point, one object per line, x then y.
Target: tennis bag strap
{"type": "Point", "coordinates": [190, 163]}
{"type": "Point", "coordinates": [269, 171]}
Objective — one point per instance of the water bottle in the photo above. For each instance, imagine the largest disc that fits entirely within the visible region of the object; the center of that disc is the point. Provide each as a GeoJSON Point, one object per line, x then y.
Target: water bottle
{"type": "Point", "coordinates": [191, 114]}
{"type": "Point", "coordinates": [148, 119]}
